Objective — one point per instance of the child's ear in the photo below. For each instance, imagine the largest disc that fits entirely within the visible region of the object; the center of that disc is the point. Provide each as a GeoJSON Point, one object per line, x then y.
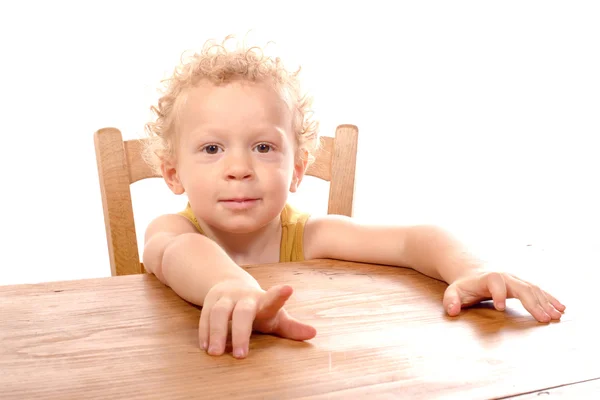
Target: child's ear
{"type": "Point", "coordinates": [169, 173]}
{"type": "Point", "coordinates": [300, 166]}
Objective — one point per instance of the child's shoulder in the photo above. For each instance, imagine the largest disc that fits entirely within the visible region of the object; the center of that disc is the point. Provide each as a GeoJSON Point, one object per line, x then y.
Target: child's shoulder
{"type": "Point", "coordinates": [188, 214]}
{"type": "Point", "coordinates": [291, 215]}
{"type": "Point", "coordinates": [321, 231]}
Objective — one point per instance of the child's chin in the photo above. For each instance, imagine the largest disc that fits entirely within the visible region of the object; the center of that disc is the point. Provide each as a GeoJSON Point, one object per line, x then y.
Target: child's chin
{"type": "Point", "coordinates": [241, 228]}
{"type": "Point", "coordinates": [239, 231]}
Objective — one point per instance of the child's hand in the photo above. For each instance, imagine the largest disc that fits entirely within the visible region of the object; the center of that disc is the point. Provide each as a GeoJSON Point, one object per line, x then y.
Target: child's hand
{"type": "Point", "coordinates": [248, 308]}
{"type": "Point", "coordinates": [480, 286]}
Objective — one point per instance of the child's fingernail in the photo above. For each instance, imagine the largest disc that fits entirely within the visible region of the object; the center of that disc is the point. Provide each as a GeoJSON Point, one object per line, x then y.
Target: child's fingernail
{"type": "Point", "coordinates": [500, 305]}
{"type": "Point", "coordinates": [238, 353]}
{"type": "Point", "coordinates": [204, 345]}
{"type": "Point", "coordinates": [213, 349]}
{"type": "Point", "coordinates": [450, 306]}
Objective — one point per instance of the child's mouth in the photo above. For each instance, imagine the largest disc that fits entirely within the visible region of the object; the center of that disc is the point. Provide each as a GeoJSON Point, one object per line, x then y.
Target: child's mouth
{"type": "Point", "coordinates": [239, 203]}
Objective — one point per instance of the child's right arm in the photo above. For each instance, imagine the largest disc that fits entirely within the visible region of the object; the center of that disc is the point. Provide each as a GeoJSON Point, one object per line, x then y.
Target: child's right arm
{"type": "Point", "coordinates": [190, 263]}
{"type": "Point", "coordinates": [200, 271]}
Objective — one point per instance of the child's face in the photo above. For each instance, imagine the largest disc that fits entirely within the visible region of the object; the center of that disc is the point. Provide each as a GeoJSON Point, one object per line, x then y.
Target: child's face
{"type": "Point", "coordinates": [235, 157]}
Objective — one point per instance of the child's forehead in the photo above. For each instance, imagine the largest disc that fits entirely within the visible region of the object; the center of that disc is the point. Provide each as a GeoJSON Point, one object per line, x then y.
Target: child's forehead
{"type": "Point", "coordinates": [249, 102]}
{"type": "Point", "coordinates": [236, 90]}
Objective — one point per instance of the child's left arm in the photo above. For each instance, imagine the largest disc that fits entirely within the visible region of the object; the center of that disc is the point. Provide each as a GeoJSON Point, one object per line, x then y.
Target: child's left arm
{"type": "Point", "coordinates": [431, 251]}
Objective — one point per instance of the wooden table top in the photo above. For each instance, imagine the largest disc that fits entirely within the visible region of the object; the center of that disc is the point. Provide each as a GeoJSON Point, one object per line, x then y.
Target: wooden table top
{"type": "Point", "coordinates": [381, 333]}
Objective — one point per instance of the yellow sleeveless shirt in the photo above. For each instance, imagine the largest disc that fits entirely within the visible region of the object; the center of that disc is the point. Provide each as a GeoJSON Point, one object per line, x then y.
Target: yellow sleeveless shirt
{"type": "Point", "coordinates": [292, 232]}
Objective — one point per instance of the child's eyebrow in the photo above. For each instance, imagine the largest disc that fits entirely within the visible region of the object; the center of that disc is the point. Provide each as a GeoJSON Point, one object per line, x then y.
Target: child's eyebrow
{"type": "Point", "coordinates": [213, 133]}
{"type": "Point", "coordinates": [270, 130]}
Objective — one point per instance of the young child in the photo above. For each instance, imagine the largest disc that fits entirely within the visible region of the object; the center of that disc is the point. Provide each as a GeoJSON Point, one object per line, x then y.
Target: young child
{"type": "Point", "coordinates": [235, 132]}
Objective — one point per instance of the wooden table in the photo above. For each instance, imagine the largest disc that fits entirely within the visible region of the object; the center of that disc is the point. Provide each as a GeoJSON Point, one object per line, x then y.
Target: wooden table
{"type": "Point", "coordinates": [382, 333]}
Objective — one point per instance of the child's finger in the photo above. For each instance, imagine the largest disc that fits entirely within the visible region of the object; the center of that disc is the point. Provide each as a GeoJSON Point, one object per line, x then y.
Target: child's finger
{"type": "Point", "coordinates": [452, 302]}
{"type": "Point", "coordinates": [526, 295]}
{"type": "Point", "coordinates": [545, 303]}
{"type": "Point", "coordinates": [220, 314]}
{"type": "Point", "coordinates": [555, 303]}
{"type": "Point", "coordinates": [496, 285]}
{"type": "Point", "coordinates": [241, 326]}
{"type": "Point", "coordinates": [203, 325]}
{"type": "Point", "coordinates": [291, 328]}
{"type": "Point", "coordinates": [273, 301]}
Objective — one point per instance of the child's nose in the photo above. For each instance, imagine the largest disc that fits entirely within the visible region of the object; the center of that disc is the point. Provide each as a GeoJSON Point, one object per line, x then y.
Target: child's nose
{"type": "Point", "coordinates": [239, 167]}
{"type": "Point", "coordinates": [239, 175]}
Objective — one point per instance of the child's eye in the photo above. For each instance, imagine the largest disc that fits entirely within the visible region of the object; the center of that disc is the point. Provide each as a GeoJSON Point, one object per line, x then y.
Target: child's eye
{"type": "Point", "coordinates": [211, 149]}
{"type": "Point", "coordinates": [263, 148]}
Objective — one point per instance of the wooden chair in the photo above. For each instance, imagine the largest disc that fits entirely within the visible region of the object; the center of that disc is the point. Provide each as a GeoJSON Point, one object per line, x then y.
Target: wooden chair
{"type": "Point", "coordinates": [120, 164]}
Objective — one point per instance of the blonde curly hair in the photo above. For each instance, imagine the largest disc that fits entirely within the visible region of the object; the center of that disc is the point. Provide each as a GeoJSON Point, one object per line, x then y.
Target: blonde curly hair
{"type": "Point", "coordinates": [219, 65]}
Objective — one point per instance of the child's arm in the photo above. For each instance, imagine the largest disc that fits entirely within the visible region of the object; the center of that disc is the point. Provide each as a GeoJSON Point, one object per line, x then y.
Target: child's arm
{"type": "Point", "coordinates": [431, 251]}
{"type": "Point", "coordinates": [185, 260]}
{"type": "Point", "coordinates": [199, 271]}
{"type": "Point", "coordinates": [426, 249]}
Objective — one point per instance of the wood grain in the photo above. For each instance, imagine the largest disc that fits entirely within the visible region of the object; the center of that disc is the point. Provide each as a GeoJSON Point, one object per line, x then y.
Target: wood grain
{"type": "Point", "coordinates": [343, 166]}
{"type": "Point", "coordinates": [137, 168]}
{"type": "Point", "coordinates": [381, 333]}
{"type": "Point", "coordinates": [321, 167]}
{"type": "Point", "coordinates": [580, 391]}
{"type": "Point", "coordinates": [114, 181]}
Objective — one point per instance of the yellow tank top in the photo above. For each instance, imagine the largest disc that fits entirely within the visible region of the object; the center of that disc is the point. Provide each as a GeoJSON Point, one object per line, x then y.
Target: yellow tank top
{"type": "Point", "coordinates": [292, 232]}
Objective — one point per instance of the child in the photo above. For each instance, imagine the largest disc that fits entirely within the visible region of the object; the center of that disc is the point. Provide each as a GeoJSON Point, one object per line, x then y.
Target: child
{"type": "Point", "coordinates": [235, 133]}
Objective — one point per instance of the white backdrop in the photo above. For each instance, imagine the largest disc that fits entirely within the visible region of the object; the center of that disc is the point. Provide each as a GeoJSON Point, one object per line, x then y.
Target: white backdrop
{"type": "Point", "coordinates": [479, 116]}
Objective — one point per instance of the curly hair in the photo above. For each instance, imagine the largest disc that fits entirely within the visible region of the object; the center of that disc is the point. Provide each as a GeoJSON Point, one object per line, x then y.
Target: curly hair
{"type": "Point", "coordinates": [219, 65]}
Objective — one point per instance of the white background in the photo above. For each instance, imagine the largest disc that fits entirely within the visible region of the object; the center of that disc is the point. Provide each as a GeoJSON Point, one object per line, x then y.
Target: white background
{"type": "Point", "coordinates": [479, 116]}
